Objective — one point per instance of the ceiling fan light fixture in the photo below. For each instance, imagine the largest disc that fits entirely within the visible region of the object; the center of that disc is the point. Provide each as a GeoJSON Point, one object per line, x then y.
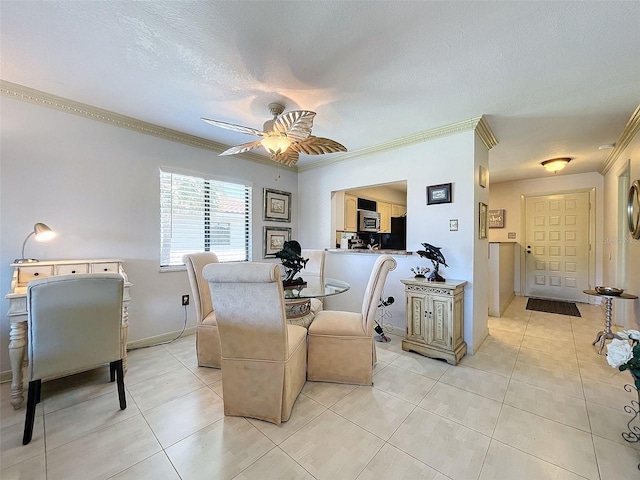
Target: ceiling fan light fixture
{"type": "Point", "coordinates": [555, 164]}
{"type": "Point", "coordinates": [275, 143]}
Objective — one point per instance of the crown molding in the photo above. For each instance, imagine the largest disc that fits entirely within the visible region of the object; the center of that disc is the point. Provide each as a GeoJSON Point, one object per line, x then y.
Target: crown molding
{"type": "Point", "coordinates": [478, 124]}
{"type": "Point", "coordinates": [483, 130]}
{"type": "Point", "coordinates": [26, 94]}
{"type": "Point", "coordinates": [31, 95]}
{"type": "Point", "coordinates": [630, 131]}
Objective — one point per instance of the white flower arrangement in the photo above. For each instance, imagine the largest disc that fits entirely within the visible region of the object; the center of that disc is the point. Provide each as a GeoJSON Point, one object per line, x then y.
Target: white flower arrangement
{"type": "Point", "coordinates": [623, 353]}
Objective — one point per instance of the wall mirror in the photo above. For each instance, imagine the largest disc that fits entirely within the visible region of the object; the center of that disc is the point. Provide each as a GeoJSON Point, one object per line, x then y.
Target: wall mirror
{"type": "Point", "coordinates": [633, 209]}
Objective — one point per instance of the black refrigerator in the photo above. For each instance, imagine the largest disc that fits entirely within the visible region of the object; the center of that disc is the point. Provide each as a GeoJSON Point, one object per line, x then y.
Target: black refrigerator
{"type": "Point", "coordinates": [397, 240]}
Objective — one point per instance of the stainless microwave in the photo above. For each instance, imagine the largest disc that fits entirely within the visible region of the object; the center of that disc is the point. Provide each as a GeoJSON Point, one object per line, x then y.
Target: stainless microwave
{"type": "Point", "coordinates": [368, 221]}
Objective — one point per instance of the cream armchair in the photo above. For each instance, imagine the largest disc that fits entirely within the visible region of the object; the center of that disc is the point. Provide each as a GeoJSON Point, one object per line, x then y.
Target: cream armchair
{"type": "Point", "coordinates": [207, 336]}
{"type": "Point", "coordinates": [263, 358]}
{"type": "Point", "coordinates": [341, 346]}
{"type": "Point", "coordinates": [314, 268]}
{"type": "Point", "coordinates": [74, 324]}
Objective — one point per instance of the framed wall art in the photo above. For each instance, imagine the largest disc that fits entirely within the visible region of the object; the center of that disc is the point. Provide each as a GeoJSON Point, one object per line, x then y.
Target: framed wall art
{"type": "Point", "coordinates": [274, 238]}
{"type": "Point", "coordinates": [482, 176]}
{"type": "Point", "coordinates": [439, 194]}
{"type": "Point", "coordinates": [277, 205]}
{"type": "Point", "coordinates": [482, 220]}
{"type": "Point", "coordinates": [496, 218]}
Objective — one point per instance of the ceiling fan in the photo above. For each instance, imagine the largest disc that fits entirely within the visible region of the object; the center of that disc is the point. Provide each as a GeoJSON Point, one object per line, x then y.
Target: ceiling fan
{"type": "Point", "coordinates": [284, 137]}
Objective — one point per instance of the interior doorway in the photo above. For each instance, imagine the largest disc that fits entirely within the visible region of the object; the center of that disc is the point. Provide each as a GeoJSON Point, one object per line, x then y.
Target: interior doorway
{"type": "Point", "coordinates": [559, 234]}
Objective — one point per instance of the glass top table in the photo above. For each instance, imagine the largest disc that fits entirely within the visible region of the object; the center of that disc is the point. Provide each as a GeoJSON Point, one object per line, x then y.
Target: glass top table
{"type": "Point", "coordinates": [297, 298]}
{"type": "Point", "coordinates": [314, 288]}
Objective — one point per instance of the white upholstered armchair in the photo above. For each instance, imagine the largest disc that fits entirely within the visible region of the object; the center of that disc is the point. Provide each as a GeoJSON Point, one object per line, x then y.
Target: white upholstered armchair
{"type": "Point", "coordinates": [263, 357]}
{"type": "Point", "coordinates": [207, 336]}
{"type": "Point", "coordinates": [341, 345]}
{"type": "Point", "coordinates": [74, 324]}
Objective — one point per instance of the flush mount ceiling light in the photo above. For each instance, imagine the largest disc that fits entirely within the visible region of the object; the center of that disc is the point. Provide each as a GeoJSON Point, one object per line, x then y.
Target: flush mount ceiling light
{"type": "Point", "coordinates": [284, 137]}
{"type": "Point", "coordinates": [555, 164]}
{"type": "Point", "coordinates": [606, 146]}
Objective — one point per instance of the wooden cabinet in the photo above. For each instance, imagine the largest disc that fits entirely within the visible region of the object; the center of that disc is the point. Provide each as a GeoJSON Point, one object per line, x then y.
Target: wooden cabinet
{"type": "Point", "coordinates": [345, 208]}
{"type": "Point", "coordinates": [435, 319]}
{"type": "Point", "coordinates": [350, 213]}
{"type": "Point", "coordinates": [398, 210]}
{"type": "Point", "coordinates": [384, 209]}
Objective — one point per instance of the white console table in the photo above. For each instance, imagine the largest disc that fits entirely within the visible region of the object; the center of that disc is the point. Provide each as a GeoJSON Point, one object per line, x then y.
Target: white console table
{"type": "Point", "coordinates": [23, 273]}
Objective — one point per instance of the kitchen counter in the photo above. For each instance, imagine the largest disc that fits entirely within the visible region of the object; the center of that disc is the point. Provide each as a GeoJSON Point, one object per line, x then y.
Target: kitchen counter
{"type": "Point", "coordinates": [366, 251]}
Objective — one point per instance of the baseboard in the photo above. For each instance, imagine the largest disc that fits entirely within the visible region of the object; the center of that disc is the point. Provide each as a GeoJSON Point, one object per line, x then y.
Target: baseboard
{"type": "Point", "coordinates": [165, 337]}
{"type": "Point", "coordinates": [5, 376]}
{"type": "Point", "coordinates": [144, 342]}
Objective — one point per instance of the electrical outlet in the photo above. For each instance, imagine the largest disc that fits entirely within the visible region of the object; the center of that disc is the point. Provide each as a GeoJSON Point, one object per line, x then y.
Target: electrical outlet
{"type": "Point", "coordinates": [185, 300]}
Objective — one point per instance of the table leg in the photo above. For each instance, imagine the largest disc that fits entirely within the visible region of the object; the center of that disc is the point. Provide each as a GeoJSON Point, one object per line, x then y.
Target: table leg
{"type": "Point", "coordinates": [605, 334]}
{"type": "Point", "coordinates": [17, 343]}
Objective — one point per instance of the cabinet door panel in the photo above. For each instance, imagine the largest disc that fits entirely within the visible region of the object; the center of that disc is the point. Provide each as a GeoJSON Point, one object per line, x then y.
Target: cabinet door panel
{"type": "Point", "coordinates": [350, 213]}
{"type": "Point", "coordinates": [439, 320]}
{"type": "Point", "coordinates": [416, 313]}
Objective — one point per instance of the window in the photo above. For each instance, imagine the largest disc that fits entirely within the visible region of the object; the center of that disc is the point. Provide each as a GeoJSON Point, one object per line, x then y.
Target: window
{"type": "Point", "coordinates": [199, 214]}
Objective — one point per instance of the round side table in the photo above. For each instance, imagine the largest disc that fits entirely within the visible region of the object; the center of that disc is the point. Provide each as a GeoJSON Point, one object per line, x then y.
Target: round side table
{"type": "Point", "coordinates": [607, 334]}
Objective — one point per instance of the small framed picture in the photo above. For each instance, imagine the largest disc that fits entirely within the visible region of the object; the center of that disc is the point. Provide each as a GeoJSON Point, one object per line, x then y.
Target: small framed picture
{"type": "Point", "coordinates": [482, 177]}
{"type": "Point", "coordinates": [274, 238]}
{"type": "Point", "coordinates": [496, 218]}
{"type": "Point", "coordinates": [277, 205]}
{"type": "Point", "coordinates": [482, 220]}
{"type": "Point", "coordinates": [439, 194]}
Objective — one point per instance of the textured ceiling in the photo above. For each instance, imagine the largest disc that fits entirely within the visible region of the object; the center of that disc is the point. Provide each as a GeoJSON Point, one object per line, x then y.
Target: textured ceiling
{"type": "Point", "coordinates": [552, 78]}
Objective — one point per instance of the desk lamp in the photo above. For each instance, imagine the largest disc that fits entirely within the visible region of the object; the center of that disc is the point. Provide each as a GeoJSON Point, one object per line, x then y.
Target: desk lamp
{"type": "Point", "coordinates": [42, 233]}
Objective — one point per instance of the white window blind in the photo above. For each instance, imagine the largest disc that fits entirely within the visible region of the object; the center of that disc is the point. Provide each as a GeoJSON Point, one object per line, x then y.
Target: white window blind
{"type": "Point", "coordinates": [199, 214]}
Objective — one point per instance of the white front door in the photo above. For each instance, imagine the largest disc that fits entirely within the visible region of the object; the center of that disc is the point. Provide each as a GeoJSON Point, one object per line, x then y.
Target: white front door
{"type": "Point", "coordinates": [557, 246]}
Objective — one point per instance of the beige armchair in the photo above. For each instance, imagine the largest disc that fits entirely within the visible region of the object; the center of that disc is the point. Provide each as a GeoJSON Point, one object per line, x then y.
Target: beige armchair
{"type": "Point", "coordinates": [341, 346]}
{"type": "Point", "coordinates": [74, 324]}
{"type": "Point", "coordinates": [207, 336]}
{"type": "Point", "coordinates": [314, 268]}
{"type": "Point", "coordinates": [263, 358]}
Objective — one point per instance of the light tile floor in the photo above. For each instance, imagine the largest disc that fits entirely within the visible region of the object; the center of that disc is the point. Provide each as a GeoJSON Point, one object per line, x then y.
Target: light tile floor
{"type": "Point", "coordinates": [536, 402]}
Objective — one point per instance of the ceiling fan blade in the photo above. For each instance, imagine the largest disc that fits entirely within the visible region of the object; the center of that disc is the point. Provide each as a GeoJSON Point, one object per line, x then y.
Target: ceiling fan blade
{"type": "Point", "coordinates": [289, 157]}
{"type": "Point", "coordinates": [245, 147]}
{"type": "Point", "coordinates": [235, 128]}
{"type": "Point", "coordinates": [296, 124]}
{"type": "Point", "coordinates": [318, 146]}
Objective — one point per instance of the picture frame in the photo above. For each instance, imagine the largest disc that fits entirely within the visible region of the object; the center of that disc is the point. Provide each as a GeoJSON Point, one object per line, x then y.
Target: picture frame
{"type": "Point", "coordinates": [482, 220]}
{"type": "Point", "coordinates": [277, 205]}
{"type": "Point", "coordinates": [482, 176]}
{"type": "Point", "coordinates": [439, 194]}
{"type": "Point", "coordinates": [496, 218]}
{"type": "Point", "coordinates": [274, 238]}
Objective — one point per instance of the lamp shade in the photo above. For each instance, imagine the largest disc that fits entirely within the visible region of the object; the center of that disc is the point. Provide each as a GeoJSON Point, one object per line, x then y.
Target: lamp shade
{"type": "Point", "coordinates": [42, 233]}
{"type": "Point", "coordinates": [555, 164]}
{"type": "Point", "coordinates": [275, 143]}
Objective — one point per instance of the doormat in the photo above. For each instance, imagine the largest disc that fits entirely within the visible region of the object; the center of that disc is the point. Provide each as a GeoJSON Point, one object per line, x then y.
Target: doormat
{"type": "Point", "coordinates": [553, 306]}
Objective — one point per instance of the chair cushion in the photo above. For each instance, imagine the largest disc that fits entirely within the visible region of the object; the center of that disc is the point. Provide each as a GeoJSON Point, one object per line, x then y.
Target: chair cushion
{"type": "Point", "coordinates": [337, 324]}
{"type": "Point", "coordinates": [296, 336]}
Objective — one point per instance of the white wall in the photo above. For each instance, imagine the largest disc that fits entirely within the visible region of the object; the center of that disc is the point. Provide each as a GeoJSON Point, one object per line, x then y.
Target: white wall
{"type": "Point", "coordinates": [627, 315]}
{"type": "Point", "coordinates": [98, 186]}
{"type": "Point", "coordinates": [507, 196]}
{"type": "Point", "coordinates": [449, 159]}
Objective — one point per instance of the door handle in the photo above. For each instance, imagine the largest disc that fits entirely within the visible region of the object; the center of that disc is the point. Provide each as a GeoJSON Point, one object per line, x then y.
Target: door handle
{"type": "Point", "coordinates": [528, 248]}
